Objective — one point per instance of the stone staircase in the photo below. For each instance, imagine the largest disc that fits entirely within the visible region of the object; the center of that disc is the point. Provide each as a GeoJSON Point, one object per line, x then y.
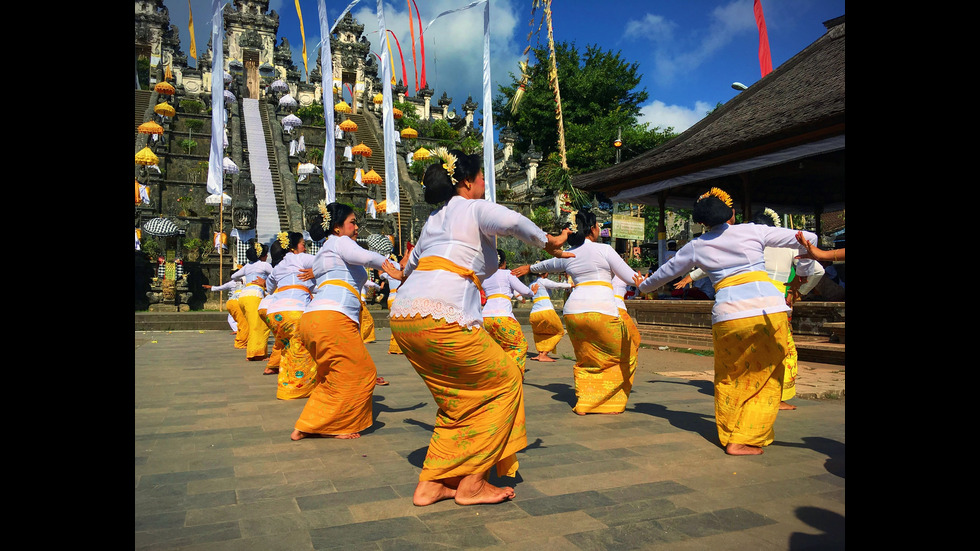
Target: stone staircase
{"type": "Point", "coordinates": [269, 219]}
{"type": "Point", "coordinates": [141, 104]}
{"type": "Point", "coordinates": [274, 166]}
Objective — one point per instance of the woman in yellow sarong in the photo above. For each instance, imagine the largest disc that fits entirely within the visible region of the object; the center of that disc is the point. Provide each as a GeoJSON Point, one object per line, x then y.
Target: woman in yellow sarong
{"type": "Point", "coordinates": [253, 275]}
{"type": "Point", "coordinates": [749, 321]}
{"type": "Point", "coordinates": [340, 406]}
{"type": "Point", "coordinates": [234, 310]}
{"type": "Point", "coordinates": [601, 337]}
{"type": "Point", "coordinates": [619, 292]}
{"type": "Point", "coordinates": [290, 293]}
{"type": "Point", "coordinates": [546, 326]}
{"type": "Point", "coordinates": [436, 319]}
{"type": "Point", "coordinates": [498, 314]}
{"type": "Point", "coordinates": [393, 284]}
{"type": "Point", "coordinates": [272, 366]}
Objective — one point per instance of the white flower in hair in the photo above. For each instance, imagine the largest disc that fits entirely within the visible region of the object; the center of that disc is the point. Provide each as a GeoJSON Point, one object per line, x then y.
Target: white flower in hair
{"type": "Point", "coordinates": [775, 217]}
{"type": "Point", "coordinates": [325, 213]}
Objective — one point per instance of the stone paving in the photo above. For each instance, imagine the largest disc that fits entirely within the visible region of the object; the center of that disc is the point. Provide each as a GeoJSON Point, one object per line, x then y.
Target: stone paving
{"type": "Point", "coordinates": [215, 468]}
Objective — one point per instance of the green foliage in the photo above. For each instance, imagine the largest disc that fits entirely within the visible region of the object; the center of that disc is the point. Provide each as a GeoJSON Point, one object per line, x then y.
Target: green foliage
{"type": "Point", "coordinates": [312, 114]}
{"type": "Point", "coordinates": [192, 106]}
{"type": "Point", "coordinates": [410, 117]}
{"type": "Point", "coordinates": [188, 145]}
{"type": "Point", "coordinates": [471, 144]}
{"type": "Point", "coordinates": [194, 125]}
{"type": "Point", "coordinates": [143, 72]}
{"type": "Point", "coordinates": [314, 155]}
{"type": "Point", "coordinates": [544, 217]}
{"type": "Point", "coordinates": [151, 247]}
{"type": "Point", "coordinates": [600, 95]}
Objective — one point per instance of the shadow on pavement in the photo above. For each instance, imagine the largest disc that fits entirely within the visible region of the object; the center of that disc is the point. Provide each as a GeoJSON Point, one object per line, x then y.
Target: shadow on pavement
{"type": "Point", "coordinates": [691, 422]}
{"type": "Point", "coordinates": [829, 522]}
{"type": "Point", "coordinates": [561, 392]}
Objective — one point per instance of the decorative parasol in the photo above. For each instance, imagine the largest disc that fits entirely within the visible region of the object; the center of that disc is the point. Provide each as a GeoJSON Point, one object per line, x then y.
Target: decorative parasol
{"type": "Point", "coordinates": [372, 177]}
{"type": "Point", "coordinates": [422, 154]}
{"type": "Point", "coordinates": [348, 126]}
{"type": "Point", "coordinates": [307, 168]}
{"type": "Point", "coordinates": [161, 227]}
{"type": "Point", "coordinates": [229, 96]}
{"type": "Point", "coordinates": [342, 107]}
{"type": "Point", "coordinates": [164, 88]}
{"type": "Point", "coordinates": [382, 206]}
{"type": "Point", "coordinates": [149, 127]}
{"type": "Point", "coordinates": [380, 244]}
{"type": "Point", "coordinates": [396, 112]}
{"type": "Point", "coordinates": [279, 86]}
{"type": "Point", "coordinates": [410, 133]}
{"type": "Point", "coordinates": [164, 110]}
{"type": "Point", "coordinates": [227, 78]}
{"type": "Point", "coordinates": [146, 157]}
{"type": "Point", "coordinates": [291, 121]}
{"type": "Point", "coordinates": [213, 199]}
{"type": "Point", "coordinates": [287, 101]}
{"type": "Point", "coordinates": [361, 150]}
{"type": "Point", "coordinates": [379, 98]}
{"type": "Point", "coordinates": [229, 166]}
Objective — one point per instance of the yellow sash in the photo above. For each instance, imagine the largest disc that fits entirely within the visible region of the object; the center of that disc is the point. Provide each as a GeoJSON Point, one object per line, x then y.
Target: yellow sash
{"type": "Point", "coordinates": [747, 277]}
{"type": "Point", "coordinates": [301, 287]}
{"type": "Point", "coordinates": [431, 263]}
{"type": "Point", "coordinates": [341, 283]}
{"type": "Point", "coordinates": [620, 297]}
{"type": "Point", "coordinates": [540, 298]}
{"type": "Point", "coordinates": [498, 295]}
{"type": "Point", "coordinates": [603, 283]}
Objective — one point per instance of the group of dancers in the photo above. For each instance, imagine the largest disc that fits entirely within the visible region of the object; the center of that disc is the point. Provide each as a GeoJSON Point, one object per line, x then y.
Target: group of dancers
{"type": "Point", "coordinates": [451, 317]}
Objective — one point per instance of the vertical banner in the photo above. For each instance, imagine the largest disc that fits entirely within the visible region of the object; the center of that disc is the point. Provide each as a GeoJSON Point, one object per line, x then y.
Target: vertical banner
{"type": "Point", "coordinates": [190, 29]}
{"type": "Point", "coordinates": [488, 163]}
{"type": "Point", "coordinates": [391, 166]}
{"type": "Point", "coordinates": [302, 34]}
{"type": "Point", "coordinates": [329, 146]}
{"type": "Point", "coordinates": [765, 59]}
{"type": "Point", "coordinates": [215, 173]}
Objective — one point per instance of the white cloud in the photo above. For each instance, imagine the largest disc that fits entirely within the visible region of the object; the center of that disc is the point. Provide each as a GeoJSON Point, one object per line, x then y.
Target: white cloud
{"type": "Point", "coordinates": [680, 118]}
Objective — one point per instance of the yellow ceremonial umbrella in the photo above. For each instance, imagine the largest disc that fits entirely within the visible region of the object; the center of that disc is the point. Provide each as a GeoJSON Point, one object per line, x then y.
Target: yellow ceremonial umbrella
{"type": "Point", "coordinates": [164, 109]}
{"type": "Point", "coordinates": [342, 107]}
{"type": "Point", "coordinates": [371, 177]}
{"type": "Point", "coordinates": [138, 198]}
{"type": "Point", "coordinates": [422, 154]}
{"type": "Point", "coordinates": [410, 133]}
{"type": "Point", "coordinates": [146, 157]}
{"type": "Point", "coordinates": [361, 150]}
{"type": "Point", "coordinates": [164, 88]}
{"type": "Point", "coordinates": [379, 98]}
{"type": "Point", "coordinates": [396, 112]}
{"type": "Point", "coordinates": [149, 127]}
{"type": "Point", "coordinates": [348, 126]}
{"type": "Point", "coordinates": [381, 207]}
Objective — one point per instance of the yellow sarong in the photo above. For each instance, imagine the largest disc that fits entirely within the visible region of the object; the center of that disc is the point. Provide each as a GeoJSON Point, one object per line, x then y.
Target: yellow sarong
{"type": "Point", "coordinates": [634, 332]}
{"type": "Point", "coordinates": [297, 370]}
{"type": "Point", "coordinates": [507, 333]}
{"type": "Point", "coordinates": [367, 324]}
{"type": "Point", "coordinates": [749, 355]}
{"type": "Point", "coordinates": [791, 366]}
{"type": "Point", "coordinates": [477, 386]}
{"type": "Point", "coordinates": [258, 332]}
{"type": "Point", "coordinates": [393, 347]}
{"type": "Point", "coordinates": [235, 309]}
{"type": "Point", "coordinates": [604, 365]}
{"type": "Point", "coordinates": [276, 355]}
{"type": "Point", "coordinates": [341, 402]}
{"type": "Point", "coordinates": [546, 329]}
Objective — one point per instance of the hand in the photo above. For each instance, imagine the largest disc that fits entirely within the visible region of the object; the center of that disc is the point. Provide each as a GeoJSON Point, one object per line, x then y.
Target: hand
{"type": "Point", "coordinates": [534, 288]}
{"type": "Point", "coordinates": [259, 281]}
{"type": "Point", "coordinates": [521, 270]}
{"type": "Point", "coordinates": [684, 282]}
{"type": "Point", "coordinates": [208, 287]}
{"type": "Point", "coordinates": [392, 271]}
{"type": "Point", "coordinates": [555, 243]}
{"type": "Point", "coordinates": [638, 279]}
{"type": "Point", "coordinates": [306, 274]}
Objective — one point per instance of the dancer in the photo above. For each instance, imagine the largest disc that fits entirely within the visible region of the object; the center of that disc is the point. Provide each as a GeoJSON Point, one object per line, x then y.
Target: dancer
{"type": "Point", "coordinates": [253, 275]}
{"type": "Point", "coordinates": [816, 253]}
{"type": "Point", "coordinates": [436, 319]}
{"type": "Point", "coordinates": [619, 295]}
{"type": "Point", "coordinates": [546, 327]}
{"type": "Point", "coordinates": [749, 322]}
{"type": "Point", "coordinates": [498, 312]}
{"type": "Point", "coordinates": [340, 405]}
{"type": "Point", "coordinates": [240, 327]}
{"type": "Point", "coordinates": [393, 285]}
{"type": "Point", "coordinates": [291, 294]}
{"type": "Point", "coordinates": [367, 320]}
{"type": "Point", "coordinates": [272, 366]}
{"type": "Point", "coordinates": [601, 337]}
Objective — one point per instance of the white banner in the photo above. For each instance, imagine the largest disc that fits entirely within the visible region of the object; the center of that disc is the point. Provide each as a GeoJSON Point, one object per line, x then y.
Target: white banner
{"type": "Point", "coordinates": [215, 172]}
{"type": "Point", "coordinates": [391, 162]}
{"type": "Point", "coordinates": [329, 147]}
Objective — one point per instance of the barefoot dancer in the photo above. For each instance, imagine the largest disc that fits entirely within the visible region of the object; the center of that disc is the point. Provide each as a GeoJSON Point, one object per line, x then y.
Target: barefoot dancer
{"type": "Point", "coordinates": [546, 326]}
{"type": "Point", "coordinates": [498, 312]}
{"type": "Point", "coordinates": [602, 338]}
{"type": "Point", "coordinates": [436, 320]}
{"type": "Point", "coordinates": [253, 275]}
{"type": "Point", "coordinates": [749, 322]}
{"type": "Point", "coordinates": [341, 404]}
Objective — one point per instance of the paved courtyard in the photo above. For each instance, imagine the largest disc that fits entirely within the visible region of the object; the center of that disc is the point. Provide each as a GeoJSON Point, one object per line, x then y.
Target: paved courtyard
{"type": "Point", "coordinates": [215, 468]}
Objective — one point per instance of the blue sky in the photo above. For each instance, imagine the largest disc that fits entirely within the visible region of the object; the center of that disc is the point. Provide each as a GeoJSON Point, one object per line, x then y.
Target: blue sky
{"type": "Point", "coordinates": [689, 52]}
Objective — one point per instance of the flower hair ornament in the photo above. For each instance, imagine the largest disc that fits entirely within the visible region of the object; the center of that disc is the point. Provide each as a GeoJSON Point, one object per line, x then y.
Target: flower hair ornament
{"type": "Point", "coordinates": [258, 248]}
{"type": "Point", "coordinates": [775, 217]}
{"type": "Point", "coordinates": [283, 239]}
{"type": "Point", "coordinates": [716, 192]}
{"type": "Point", "coordinates": [325, 213]}
{"type": "Point", "coordinates": [573, 225]}
{"type": "Point", "coordinates": [448, 162]}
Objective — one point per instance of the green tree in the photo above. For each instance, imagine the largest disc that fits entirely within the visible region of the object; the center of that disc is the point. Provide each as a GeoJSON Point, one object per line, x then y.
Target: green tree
{"type": "Point", "coordinates": [600, 96]}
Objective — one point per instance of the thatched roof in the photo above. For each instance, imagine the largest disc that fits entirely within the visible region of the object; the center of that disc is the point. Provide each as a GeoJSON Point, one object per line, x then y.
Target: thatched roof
{"type": "Point", "coordinates": [780, 143]}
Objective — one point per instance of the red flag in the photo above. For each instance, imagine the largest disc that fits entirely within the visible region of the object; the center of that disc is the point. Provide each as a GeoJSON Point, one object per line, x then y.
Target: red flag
{"type": "Point", "coordinates": [765, 60]}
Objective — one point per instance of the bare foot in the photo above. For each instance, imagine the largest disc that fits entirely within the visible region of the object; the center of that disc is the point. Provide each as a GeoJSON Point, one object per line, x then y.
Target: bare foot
{"type": "Point", "coordinates": [350, 436]}
{"type": "Point", "coordinates": [784, 405]}
{"type": "Point", "coordinates": [742, 449]}
{"type": "Point", "coordinates": [431, 491]}
{"type": "Point", "coordinates": [299, 435]}
{"type": "Point", "coordinates": [475, 490]}
{"type": "Point", "coordinates": [271, 371]}
{"type": "Point", "coordinates": [544, 358]}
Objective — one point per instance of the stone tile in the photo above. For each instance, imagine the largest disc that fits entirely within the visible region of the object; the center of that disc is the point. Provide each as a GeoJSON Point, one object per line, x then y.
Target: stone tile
{"type": "Point", "coordinates": [342, 537]}
{"type": "Point", "coordinates": [636, 511]}
{"type": "Point", "coordinates": [150, 539]}
{"type": "Point", "coordinates": [452, 515]}
{"type": "Point", "coordinates": [563, 503]}
{"type": "Point", "coordinates": [304, 521]}
{"type": "Point", "coordinates": [513, 530]}
{"type": "Point", "coordinates": [184, 476]}
{"type": "Point", "coordinates": [637, 535]}
{"type": "Point", "coordinates": [279, 491]}
{"type": "Point", "coordinates": [469, 537]}
{"type": "Point", "coordinates": [347, 498]}
{"type": "Point", "coordinates": [240, 511]}
{"type": "Point", "coordinates": [234, 483]}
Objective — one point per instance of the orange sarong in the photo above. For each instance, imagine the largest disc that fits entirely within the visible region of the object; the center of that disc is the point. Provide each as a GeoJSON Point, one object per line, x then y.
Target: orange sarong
{"type": "Point", "coordinates": [367, 324]}
{"type": "Point", "coordinates": [477, 386]}
{"type": "Point", "coordinates": [507, 333]}
{"type": "Point", "coordinates": [604, 361]}
{"type": "Point", "coordinates": [235, 309]}
{"type": "Point", "coordinates": [297, 370]}
{"type": "Point", "coordinates": [749, 354]}
{"type": "Point", "coordinates": [276, 355]}
{"type": "Point", "coordinates": [393, 347]}
{"type": "Point", "coordinates": [341, 402]}
{"type": "Point", "coordinates": [546, 329]}
{"type": "Point", "coordinates": [258, 331]}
